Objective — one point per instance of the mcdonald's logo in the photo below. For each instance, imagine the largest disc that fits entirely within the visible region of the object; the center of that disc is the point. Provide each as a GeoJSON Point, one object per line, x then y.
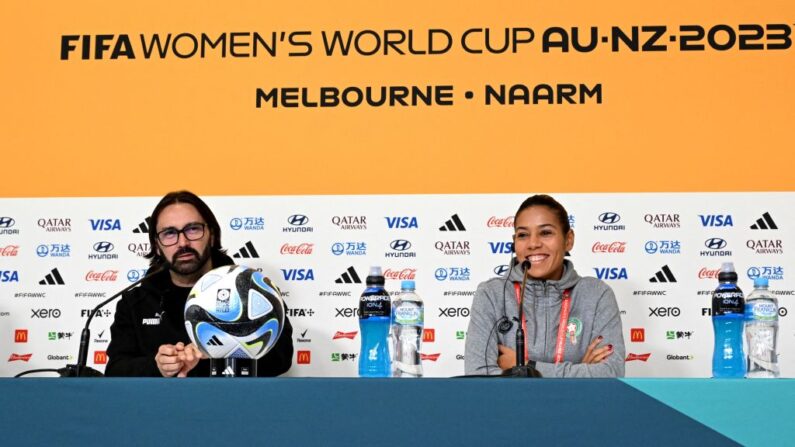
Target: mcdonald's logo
{"type": "Point", "coordinates": [429, 335]}
{"type": "Point", "coordinates": [21, 336]}
{"type": "Point", "coordinates": [304, 357]}
{"type": "Point", "coordinates": [637, 334]}
{"type": "Point", "coordinates": [100, 357]}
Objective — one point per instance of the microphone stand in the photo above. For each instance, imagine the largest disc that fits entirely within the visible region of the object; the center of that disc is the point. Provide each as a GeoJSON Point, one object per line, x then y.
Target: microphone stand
{"type": "Point", "coordinates": [522, 369]}
{"type": "Point", "coordinates": [80, 369]}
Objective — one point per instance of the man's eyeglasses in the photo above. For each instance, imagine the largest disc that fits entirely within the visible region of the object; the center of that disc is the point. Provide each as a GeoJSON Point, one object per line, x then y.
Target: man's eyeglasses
{"type": "Point", "coordinates": [192, 232]}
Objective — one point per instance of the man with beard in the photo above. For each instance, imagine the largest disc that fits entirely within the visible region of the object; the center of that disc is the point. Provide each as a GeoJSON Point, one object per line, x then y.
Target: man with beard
{"type": "Point", "coordinates": [148, 336]}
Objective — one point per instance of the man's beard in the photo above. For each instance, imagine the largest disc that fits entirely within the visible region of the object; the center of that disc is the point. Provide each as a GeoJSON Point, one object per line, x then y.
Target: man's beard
{"type": "Point", "coordinates": [191, 266]}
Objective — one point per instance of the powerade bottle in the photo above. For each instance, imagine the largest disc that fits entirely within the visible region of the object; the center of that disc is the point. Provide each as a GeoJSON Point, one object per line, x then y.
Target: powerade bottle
{"type": "Point", "coordinates": [728, 312]}
{"type": "Point", "coordinates": [761, 331]}
{"type": "Point", "coordinates": [408, 316]}
{"type": "Point", "coordinates": [375, 315]}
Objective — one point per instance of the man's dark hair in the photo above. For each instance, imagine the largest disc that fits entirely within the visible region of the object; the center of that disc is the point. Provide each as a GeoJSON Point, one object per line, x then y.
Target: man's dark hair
{"type": "Point", "coordinates": [553, 205]}
{"type": "Point", "coordinates": [190, 198]}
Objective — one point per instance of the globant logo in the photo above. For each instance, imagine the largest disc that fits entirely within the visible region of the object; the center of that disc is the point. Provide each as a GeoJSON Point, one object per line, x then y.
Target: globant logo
{"type": "Point", "coordinates": [679, 357]}
{"type": "Point", "coordinates": [663, 247]}
{"type": "Point", "coordinates": [9, 251]}
{"type": "Point", "coordinates": [453, 248]}
{"type": "Point", "coordinates": [715, 247]}
{"type": "Point", "coordinates": [298, 224]}
{"type": "Point", "coordinates": [609, 247]}
{"type": "Point", "coordinates": [609, 222]}
{"type": "Point", "coordinates": [452, 274]}
{"type": "Point", "coordinates": [54, 250]}
{"type": "Point", "coordinates": [405, 274]}
{"type": "Point", "coordinates": [500, 222]}
{"type": "Point", "coordinates": [765, 246]}
{"type": "Point", "coordinates": [251, 223]}
{"type": "Point", "coordinates": [662, 220]}
{"type": "Point", "coordinates": [350, 222]}
{"type": "Point", "coordinates": [55, 225]}
{"type": "Point", "coordinates": [102, 250]}
{"type": "Point", "coordinates": [400, 249]}
{"type": "Point", "coordinates": [771, 272]}
{"type": "Point", "coordinates": [353, 248]}
{"type": "Point", "coordinates": [7, 226]}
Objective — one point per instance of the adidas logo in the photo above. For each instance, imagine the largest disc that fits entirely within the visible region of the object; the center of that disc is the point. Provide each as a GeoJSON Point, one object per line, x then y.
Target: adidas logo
{"type": "Point", "coordinates": [349, 277]}
{"type": "Point", "coordinates": [229, 372]}
{"type": "Point", "coordinates": [248, 251]}
{"type": "Point", "coordinates": [764, 223]}
{"type": "Point", "coordinates": [454, 224]}
{"type": "Point", "coordinates": [53, 278]}
{"type": "Point", "coordinates": [214, 341]}
{"type": "Point", "coordinates": [664, 275]}
{"type": "Point", "coordinates": [143, 227]}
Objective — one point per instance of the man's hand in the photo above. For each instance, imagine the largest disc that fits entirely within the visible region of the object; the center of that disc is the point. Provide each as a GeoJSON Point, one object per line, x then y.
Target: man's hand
{"type": "Point", "coordinates": [189, 356]}
{"type": "Point", "coordinates": [507, 357]}
{"type": "Point", "coordinates": [167, 359]}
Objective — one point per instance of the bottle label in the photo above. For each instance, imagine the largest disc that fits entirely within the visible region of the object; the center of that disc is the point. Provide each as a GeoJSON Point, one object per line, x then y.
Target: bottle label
{"type": "Point", "coordinates": [375, 306]}
{"type": "Point", "coordinates": [728, 301]}
{"type": "Point", "coordinates": [761, 311]}
{"type": "Point", "coordinates": [408, 314]}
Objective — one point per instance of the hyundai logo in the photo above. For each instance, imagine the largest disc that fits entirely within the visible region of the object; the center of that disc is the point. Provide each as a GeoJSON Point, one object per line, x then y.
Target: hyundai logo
{"type": "Point", "coordinates": [6, 222]}
{"type": "Point", "coordinates": [501, 270]}
{"type": "Point", "coordinates": [715, 243]}
{"type": "Point", "coordinates": [103, 247]}
{"type": "Point", "coordinates": [133, 275]}
{"type": "Point", "coordinates": [236, 223]}
{"type": "Point", "coordinates": [400, 245]}
{"type": "Point", "coordinates": [650, 247]}
{"type": "Point", "coordinates": [609, 218]}
{"type": "Point", "coordinates": [298, 220]}
{"type": "Point", "coordinates": [441, 274]}
{"type": "Point", "coordinates": [42, 250]}
{"type": "Point", "coordinates": [338, 249]}
{"type": "Point", "coordinates": [754, 272]}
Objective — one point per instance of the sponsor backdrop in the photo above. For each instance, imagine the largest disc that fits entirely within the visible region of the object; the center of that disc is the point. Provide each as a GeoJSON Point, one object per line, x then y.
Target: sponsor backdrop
{"type": "Point", "coordinates": [447, 96]}
{"type": "Point", "coordinates": [659, 252]}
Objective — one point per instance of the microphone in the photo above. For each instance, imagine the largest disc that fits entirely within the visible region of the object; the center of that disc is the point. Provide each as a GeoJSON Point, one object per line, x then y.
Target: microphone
{"type": "Point", "coordinates": [521, 369]}
{"type": "Point", "coordinates": [80, 369]}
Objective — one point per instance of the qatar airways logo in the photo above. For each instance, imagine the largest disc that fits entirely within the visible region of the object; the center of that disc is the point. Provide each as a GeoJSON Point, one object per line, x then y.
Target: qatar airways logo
{"type": "Point", "coordinates": [55, 225]}
{"type": "Point", "coordinates": [106, 276]}
{"type": "Point", "coordinates": [407, 273]}
{"type": "Point", "coordinates": [500, 222]}
{"type": "Point", "coordinates": [9, 251]}
{"type": "Point", "coordinates": [609, 247]}
{"type": "Point", "coordinates": [350, 222]}
{"type": "Point", "coordinates": [663, 220]}
{"type": "Point", "coordinates": [298, 249]}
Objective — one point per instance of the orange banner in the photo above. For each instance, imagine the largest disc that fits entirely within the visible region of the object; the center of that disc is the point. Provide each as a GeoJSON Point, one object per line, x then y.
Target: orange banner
{"type": "Point", "coordinates": [431, 97]}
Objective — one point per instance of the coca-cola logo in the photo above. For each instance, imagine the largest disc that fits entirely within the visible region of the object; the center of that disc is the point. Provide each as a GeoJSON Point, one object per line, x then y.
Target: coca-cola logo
{"type": "Point", "coordinates": [298, 249]}
{"type": "Point", "coordinates": [106, 276]}
{"type": "Point", "coordinates": [9, 250]}
{"type": "Point", "coordinates": [500, 222]}
{"type": "Point", "coordinates": [406, 273]}
{"type": "Point", "coordinates": [706, 273]}
{"type": "Point", "coordinates": [612, 247]}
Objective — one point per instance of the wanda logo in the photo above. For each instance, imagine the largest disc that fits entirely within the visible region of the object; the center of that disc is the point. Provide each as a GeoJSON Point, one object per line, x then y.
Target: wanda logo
{"type": "Point", "coordinates": [431, 357]}
{"type": "Point", "coordinates": [299, 249]}
{"type": "Point", "coordinates": [705, 273]}
{"type": "Point", "coordinates": [9, 250]}
{"type": "Point", "coordinates": [106, 276]}
{"type": "Point", "coordinates": [500, 222]}
{"type": "Point", "coordinates": [612, 247]}
{"type": "Point", "coordinates": [400, 274]}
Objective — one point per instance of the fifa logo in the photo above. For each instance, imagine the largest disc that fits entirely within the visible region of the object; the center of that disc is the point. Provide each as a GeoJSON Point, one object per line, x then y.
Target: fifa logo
{"type": "Point", "coordinates": [222, 300]}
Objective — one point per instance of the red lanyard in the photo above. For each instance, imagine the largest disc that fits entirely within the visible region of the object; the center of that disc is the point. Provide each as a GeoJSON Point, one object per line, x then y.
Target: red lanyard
{"type": "Point", "coordinates": [565, 308]}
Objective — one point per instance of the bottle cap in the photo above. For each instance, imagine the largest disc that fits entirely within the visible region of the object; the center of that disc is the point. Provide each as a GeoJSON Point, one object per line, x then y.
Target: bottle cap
{"type": "Point", "coordinates": [375, 271]}
{"type": "Point", "coordinates": [727, 267]}
{"type": "Point", "coordinates": [407, 284]}
{"type": "Point", "coordinates": [727, 273]}
{"type": "Point", "coordinates": [760, 281]}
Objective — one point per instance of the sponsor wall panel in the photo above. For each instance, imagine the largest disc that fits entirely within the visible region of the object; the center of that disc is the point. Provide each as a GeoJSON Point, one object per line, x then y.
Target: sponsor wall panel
{"type": "Point", "coordinates": [659, 252]}
{"type": "Point", "coordinates": [679, 86]}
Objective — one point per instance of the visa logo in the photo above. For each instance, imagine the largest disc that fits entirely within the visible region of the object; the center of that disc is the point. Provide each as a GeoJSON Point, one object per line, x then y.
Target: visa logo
{"type": "Point", "coordinates": [611, 272]}
{"type": "Point", "coordinates": [298, 274]}
{"type": "Point", "coordinates": [716, 220]}
{"type": "Point", "coordinates": [9, 276]}
{"type": "Point", "coordinates": [401, 222]}
{"type": "Point", "coordinates": [501, 247]}
{"type": "Point", "coordinates": [105, 224]}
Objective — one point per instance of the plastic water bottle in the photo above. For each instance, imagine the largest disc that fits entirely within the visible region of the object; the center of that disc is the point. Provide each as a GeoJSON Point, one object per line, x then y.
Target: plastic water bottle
{"type": "Point", "coordinates": [375, 315]}
{"type": "Point", "coordinates": [408, 315]}
{"type": "Point", "coordinates": [728, 312]}
{"type": "Point", "coordinates": [761, 331]}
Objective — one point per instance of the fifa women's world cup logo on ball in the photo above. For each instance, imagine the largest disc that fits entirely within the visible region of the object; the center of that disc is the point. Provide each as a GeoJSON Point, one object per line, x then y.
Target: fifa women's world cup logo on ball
{"type": "Point", "coordinates": [234, 312]}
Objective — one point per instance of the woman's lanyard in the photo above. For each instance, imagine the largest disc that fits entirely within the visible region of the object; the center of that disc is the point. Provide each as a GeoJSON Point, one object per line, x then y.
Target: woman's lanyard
{"type": "Point", "coordinates": [565, 308]}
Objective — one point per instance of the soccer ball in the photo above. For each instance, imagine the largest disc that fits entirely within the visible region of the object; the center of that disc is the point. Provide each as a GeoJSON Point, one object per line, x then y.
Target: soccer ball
{"type": "Point", "coordinates": [234, 312]}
